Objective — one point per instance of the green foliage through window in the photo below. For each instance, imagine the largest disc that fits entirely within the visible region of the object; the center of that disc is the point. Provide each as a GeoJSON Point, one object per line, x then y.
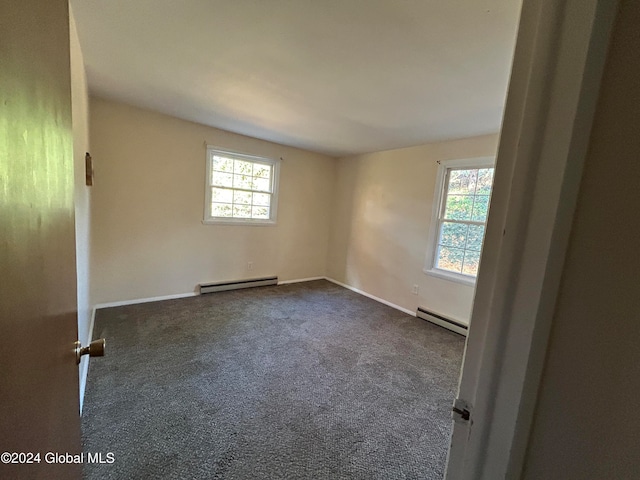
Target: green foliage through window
{"type": "Point", "coordinates": [240, 188]}
{"type": "Point", "coordinates": [463, 218]}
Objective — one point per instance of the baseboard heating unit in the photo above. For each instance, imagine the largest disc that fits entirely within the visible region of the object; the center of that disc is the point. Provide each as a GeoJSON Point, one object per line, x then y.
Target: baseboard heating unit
{"type": "Point", "coordinates": [237, 284]}
{"type": "Point", "coordinates": [441, 321]}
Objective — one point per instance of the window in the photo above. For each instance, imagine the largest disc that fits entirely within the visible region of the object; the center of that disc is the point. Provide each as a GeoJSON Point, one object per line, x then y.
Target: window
{"type": "Point", "coordinates": [459, 219]}
{"type": "Point", "coordinates": [240, 189]}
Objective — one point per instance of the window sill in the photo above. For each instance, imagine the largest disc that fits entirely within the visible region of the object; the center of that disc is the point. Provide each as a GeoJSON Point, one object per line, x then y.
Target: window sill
{"type": "Point", "coordinates": [239, 223]}
{"type": "Point", "coordinates": [452, 277]}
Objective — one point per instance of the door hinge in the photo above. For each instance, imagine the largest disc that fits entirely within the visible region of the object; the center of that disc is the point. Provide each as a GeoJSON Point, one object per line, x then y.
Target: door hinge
{"type": "Point", "coordinates": [460, 410]}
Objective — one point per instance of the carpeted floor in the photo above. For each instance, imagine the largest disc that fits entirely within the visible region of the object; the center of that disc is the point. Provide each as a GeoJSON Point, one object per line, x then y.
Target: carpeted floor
{"type": "Point", "coordinates": [301, 381]}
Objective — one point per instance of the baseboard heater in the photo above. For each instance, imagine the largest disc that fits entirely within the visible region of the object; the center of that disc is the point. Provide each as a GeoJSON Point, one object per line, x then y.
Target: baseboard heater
{"type": "Point", "coordinates": [237, 284]}
{"type": "Point", "coordinates": [438, 319]}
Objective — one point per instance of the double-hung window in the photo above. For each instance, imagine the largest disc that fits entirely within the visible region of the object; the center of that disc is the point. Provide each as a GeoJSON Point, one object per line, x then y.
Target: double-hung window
{"type": "Point", "coordinates": [459, 219]}
{"type": "Point", "coordinates": [240, 189]}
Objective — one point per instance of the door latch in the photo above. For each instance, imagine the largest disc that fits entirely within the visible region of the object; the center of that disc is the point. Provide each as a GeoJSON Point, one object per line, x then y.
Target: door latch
{"type": "Point", "coordinates": [460, 410]}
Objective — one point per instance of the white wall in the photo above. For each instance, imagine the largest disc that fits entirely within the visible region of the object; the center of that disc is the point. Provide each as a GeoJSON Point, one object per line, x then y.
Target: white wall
{"type": "Point", "coordinates": [147, 205]}
{"type": "Point", "coordinates": [80, 125]}
{"type": "Point", "coordinates": [382, 211]}
{"type": "Point", "coordinates": [585, 424]}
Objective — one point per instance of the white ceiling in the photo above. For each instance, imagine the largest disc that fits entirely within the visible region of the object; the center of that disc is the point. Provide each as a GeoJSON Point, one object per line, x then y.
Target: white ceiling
{"type": "Point", "coordinates": [333, 76]}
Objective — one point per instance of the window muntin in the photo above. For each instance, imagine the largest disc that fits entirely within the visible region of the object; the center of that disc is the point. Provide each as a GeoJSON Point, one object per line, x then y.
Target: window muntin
{"type": "Point", "coordinates": [240, 188]}
{"type": "Point", "coordinates": [459, 223]}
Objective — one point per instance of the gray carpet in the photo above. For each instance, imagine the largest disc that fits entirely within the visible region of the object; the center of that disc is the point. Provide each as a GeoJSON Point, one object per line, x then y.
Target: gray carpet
{"type": "Point", "coordinates": [301, 381]}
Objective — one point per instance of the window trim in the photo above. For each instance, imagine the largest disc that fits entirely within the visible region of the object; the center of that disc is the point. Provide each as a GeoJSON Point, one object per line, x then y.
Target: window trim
{"type": "Point", "coordinates": [273, 208]}
{"type": "Point", "coordinates": [438, 198]}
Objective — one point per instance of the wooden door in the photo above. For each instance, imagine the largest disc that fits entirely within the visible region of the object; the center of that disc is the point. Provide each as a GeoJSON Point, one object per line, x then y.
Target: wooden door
{"type": "Point", "coordinates": [39, 404]}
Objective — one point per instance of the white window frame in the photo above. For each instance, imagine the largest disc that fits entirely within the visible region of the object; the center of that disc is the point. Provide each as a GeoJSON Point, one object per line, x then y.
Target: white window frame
{"type": "Point", "coordinates": [437, 211]}
{"type": "Point", "coordinates": [273, 208]}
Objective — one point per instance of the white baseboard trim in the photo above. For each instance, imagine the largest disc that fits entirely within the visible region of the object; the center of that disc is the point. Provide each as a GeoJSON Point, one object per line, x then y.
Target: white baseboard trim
{"type": "Point", "coordinates": [145, 300]}
{"type": "Point", "coordinates": [84, 365]}
{"type": "Point", "coordinates": [300, 280]}
{"type": "Point", "coordinates": [373, 297]}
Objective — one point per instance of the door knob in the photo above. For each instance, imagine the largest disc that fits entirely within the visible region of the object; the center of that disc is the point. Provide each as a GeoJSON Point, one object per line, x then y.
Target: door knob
{"type": "Point", "coordinates": [95, 349]}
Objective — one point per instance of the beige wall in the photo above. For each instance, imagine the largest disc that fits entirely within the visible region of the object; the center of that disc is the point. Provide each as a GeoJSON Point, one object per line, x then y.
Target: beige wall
{"type": "Point", "coordinates": [147, 205]}
{"type": "Point", "coordinates": [80, 125]}
{"type": "Point", "coordinates": [360, 220]}
{"type": "Point", "coordinates": [585, 425]}
{"type": "Point", "coordinates": [382, 211]}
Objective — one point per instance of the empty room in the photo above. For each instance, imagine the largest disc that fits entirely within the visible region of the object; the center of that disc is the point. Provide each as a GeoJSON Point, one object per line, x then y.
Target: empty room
{"type": "Point", "coordinates": [263, 231]}
{"type": "Point", "coordinates": [316, 240]}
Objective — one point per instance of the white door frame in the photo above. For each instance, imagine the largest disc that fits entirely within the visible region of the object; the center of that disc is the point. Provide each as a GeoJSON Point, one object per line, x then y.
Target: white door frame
{"type": "Point", "coordinates": [558, 63]}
